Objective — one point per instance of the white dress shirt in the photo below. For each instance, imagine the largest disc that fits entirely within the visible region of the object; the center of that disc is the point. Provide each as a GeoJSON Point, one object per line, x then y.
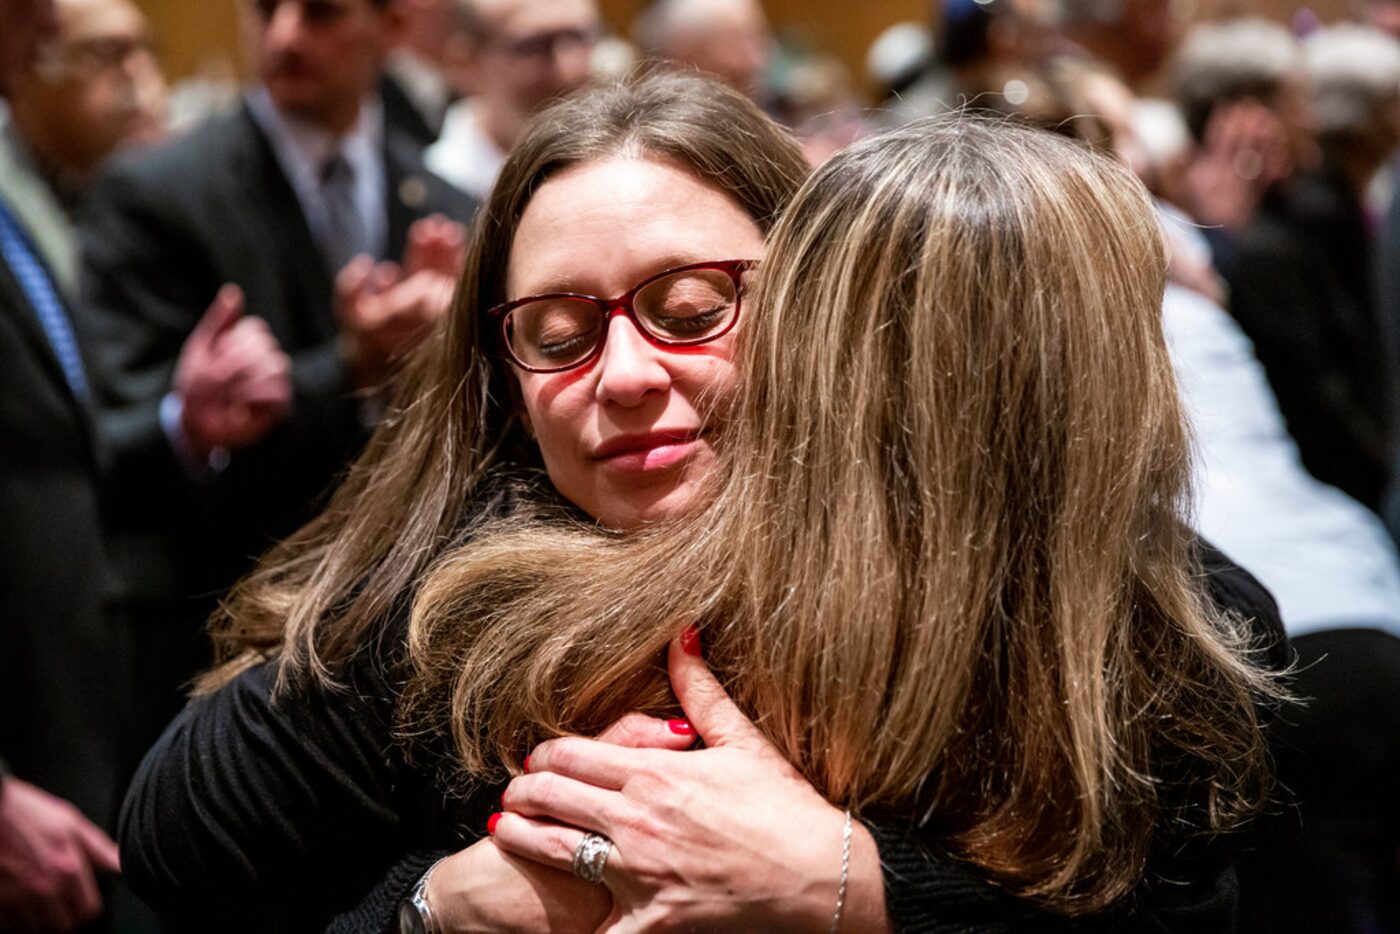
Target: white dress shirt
{"type": "Point", "coordinates": [302, 150]}
{"type": "Point", "coordinates": [464, 154]}
{"type": "Point", "coordinates": [1327, 559]}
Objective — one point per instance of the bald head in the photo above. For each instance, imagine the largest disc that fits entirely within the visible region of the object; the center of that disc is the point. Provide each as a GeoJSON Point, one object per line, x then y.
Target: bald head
{"type": "Point", "coordinates": [728, 39]}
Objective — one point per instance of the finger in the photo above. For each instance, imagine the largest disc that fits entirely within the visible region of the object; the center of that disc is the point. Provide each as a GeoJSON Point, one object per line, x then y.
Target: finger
{"type": "Point", "coordinates": [638, 731]}
{"type": "Point", "coordinates": [273, 366]}
{"type": "Point", "coordinates": [55, 913]}
{"type": "Point", "coordinates": [551, 796]}
{"type": "Point", "coordinates": [548, 844]}
{"type": "Point", "coordinates": [223, 312]}
{"type": "Point", "coordinates": [271, 394]}
{"type": "Point", "coordinates": [247, 344]}
{"type": "Point", "coordinates": [383, 275]}
{"type": "Point", "coordinates": [716, 718]}
{"type": "Point", "coordinates": [101, 850]}
{"type": "Point", "coordinates": [606, 765]}
{"type": "Point", "coordinates": [86, 900]}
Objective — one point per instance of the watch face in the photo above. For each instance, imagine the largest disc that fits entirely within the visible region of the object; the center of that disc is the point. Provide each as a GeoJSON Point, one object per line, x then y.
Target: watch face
{"type": "Point", "coordinates": [410, 921]}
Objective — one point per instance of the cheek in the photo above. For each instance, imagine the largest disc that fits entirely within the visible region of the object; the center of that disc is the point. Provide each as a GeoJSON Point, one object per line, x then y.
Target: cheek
{"type": "Point", "coordinates": [554, 407]}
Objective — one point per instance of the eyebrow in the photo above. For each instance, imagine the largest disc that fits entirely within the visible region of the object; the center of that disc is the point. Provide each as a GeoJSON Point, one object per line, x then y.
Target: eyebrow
{"type": "Point", "coordinates": [572, 282]}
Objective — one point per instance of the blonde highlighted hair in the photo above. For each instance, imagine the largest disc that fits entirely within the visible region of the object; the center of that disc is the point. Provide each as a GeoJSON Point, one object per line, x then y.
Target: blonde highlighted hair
{"type": "Point", "coordinates": [943, 564]}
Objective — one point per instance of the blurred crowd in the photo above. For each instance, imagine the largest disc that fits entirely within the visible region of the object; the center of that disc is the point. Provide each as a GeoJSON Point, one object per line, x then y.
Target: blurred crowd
{"type": "Point", "coordinates": [206, 289]}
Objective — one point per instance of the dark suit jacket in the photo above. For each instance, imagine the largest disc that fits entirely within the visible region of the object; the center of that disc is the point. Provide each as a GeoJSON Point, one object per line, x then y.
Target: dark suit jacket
{"type": "Point", "coordinates": [1302, 288]}
{"type": "Point", "coordinates": [161, 232]}
{"type": "Point", "coordinates": [63, 657]}
{"type": "Point", "coordinates": [401, 114]}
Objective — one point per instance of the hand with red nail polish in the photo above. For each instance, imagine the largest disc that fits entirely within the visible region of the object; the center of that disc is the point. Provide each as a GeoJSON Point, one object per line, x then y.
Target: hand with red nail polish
{"type": "Point", "coordinates": [702, 839]}
{"type": "Point", "coordinates": [484, 888]}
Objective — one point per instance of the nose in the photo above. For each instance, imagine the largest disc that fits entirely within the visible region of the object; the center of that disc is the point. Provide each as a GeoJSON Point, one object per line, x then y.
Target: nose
{"type": "Point", "coordinates": [571, 63]}
{"type": "Point", "coordinates": [630, 367]}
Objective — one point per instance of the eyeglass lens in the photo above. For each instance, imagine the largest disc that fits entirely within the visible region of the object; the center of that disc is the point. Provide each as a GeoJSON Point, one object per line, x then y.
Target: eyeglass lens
{"type": "Point", "coordinates": [685, 307]}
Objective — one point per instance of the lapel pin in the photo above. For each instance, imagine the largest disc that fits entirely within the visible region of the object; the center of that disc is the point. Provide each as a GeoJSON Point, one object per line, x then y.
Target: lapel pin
{"type": "Point", "coordinates": [413, 193]}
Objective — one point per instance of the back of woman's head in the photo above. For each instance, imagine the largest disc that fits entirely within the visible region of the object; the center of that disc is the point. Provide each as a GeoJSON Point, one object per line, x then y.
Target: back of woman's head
{"type": "Point", "coordinates": [318, 595]}
{"type": "Point", "coordinates": [943, 567]}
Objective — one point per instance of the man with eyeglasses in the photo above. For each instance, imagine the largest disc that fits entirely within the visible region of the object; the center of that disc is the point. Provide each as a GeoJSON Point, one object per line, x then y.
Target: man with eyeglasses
{"type": "Point", "coordinates": [92, 89]}
{"type": "Point", "coordinates": [299, 231]}
{"type": "Point", "coordinates": [508, 58]}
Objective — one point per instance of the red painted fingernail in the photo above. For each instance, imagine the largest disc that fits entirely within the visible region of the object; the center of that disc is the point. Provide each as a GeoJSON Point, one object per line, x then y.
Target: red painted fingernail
{"type": "Point", "coordinates": [491, 823]}
{"type": "Point", "coordinates": [680, 727]}
{"type": "Point", "coordinates": [690, 641]}
{"type": "Point", "coordinates": [525, 767]}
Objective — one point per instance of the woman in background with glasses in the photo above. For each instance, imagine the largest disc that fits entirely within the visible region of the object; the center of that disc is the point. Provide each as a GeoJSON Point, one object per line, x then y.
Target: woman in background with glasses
{"type": "Point", "coordinates": [589, 373]}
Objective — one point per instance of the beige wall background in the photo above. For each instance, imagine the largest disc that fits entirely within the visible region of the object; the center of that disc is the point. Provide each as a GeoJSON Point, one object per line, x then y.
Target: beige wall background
{"type": "Point", "coordinates": [191, 33]}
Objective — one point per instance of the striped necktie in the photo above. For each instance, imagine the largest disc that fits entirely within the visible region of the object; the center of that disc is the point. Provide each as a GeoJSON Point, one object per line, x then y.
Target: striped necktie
{"type": "Point", "coordinates": [345, 236]}
{"type": "Point", "coordinates": [38, 286]}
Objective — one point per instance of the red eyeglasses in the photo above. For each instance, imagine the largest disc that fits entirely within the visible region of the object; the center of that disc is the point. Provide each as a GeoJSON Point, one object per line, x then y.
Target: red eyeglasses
{"type": "Point", "coordinates": [680, 307]}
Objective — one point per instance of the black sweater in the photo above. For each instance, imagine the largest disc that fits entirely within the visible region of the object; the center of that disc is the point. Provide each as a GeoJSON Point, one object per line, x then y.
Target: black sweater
{"type": "Point", "coordinates": [300, 813]}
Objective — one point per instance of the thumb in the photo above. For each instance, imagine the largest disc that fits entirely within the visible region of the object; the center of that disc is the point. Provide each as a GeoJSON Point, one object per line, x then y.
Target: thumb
{"type": "Point", "coordinates": [223, 313]}
{"type": "Point", "coordinates": [707, 705]}
{"type": "Point", "coordinates": [101, 851]}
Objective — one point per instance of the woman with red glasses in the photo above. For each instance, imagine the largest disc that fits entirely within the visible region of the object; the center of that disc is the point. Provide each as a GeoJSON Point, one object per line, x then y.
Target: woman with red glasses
{"type": "Point", "coordinates": [587, 377]}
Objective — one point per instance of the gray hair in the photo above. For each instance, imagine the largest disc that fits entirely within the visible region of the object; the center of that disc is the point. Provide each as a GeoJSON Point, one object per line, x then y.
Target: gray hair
{"type": "Point", "coordinates": [1228, 61]}
{"type": "Point", "coordinates": [1355, 72]}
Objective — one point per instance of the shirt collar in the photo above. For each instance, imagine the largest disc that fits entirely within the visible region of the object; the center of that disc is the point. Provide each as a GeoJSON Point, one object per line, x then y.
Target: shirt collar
{"type": "Point", "coordinates": [304, 147]}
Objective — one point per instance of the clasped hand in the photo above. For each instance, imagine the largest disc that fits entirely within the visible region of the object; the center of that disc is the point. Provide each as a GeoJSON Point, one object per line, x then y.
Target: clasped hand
{"type": "Point", "coordinates": [724, 837]}
{"type": "Point", "coordinates": [386, 309]}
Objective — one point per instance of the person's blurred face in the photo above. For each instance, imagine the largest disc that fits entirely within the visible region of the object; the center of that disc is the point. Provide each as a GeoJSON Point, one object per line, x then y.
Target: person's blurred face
{"type": "Point", "coordinates": [319, 59]}
{"type": "Point", "coordinates": [95, 87]}
{"type": "Point", "coordinates": [732, 45]}
{"type": "Point", "coordinates": [1385, 16]}
{"type": "Point", "coordinates": [533, 51]}
{"type": "Point", "coordinates": [627, 437]}
{"type": "Point", "coordinates": [23, 25]}
{"type": "Point", "coordinates": [1292, 104]}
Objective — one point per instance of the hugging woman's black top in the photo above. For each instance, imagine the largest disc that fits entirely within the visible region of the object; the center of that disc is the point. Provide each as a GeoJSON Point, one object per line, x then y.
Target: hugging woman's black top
{"type": "Point", "coordinates": [300, 814]}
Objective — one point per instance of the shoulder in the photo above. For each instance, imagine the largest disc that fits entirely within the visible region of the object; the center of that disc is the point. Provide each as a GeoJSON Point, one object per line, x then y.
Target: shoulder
{"type": "Point", "coordinates": [180, 178]}
{"type": "Point", "coordinates": [1236, 590]}
{"type": "Point", "coordinates": [201, 152]}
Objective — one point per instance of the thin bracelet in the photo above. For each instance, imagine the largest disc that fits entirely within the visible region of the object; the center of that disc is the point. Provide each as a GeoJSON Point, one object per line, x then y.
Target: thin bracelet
{"type": "Point", "coordinates": [845, 873]}
{"type": "Point", "coordinates": [430, 924]}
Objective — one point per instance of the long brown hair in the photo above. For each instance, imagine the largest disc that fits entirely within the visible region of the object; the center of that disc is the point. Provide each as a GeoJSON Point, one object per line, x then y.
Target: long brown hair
{"type": "Point", "coordinates": [317, 596]}
{"type": "Point", "coordinates": [944, 566]}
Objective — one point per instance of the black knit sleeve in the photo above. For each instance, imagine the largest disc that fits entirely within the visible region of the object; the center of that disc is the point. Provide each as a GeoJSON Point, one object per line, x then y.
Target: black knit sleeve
{"type": "Point", "coordinates": [256, 811]}
{"type": "Point", "coordinates": [1233, 588]}
{"type": "Point", "coordinates": [377, 913]}
{"type": "Point", "coordinates": [929, 890]}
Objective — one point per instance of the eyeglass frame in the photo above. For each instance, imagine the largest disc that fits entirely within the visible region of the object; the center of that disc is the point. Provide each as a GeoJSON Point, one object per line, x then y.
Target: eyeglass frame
{"type": "Point", "coordinates": [541, 46]}
{"type": "Point", "coordinates": [622, 305]}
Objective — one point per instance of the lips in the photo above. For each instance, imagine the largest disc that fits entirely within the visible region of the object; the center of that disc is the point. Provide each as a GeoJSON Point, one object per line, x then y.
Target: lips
{"type": "Point", "coordinates": [653, 450]}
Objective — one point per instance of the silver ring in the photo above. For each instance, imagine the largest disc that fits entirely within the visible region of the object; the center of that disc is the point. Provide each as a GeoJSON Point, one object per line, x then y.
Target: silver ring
{"type": "Point", "coordinates": [590, 856]}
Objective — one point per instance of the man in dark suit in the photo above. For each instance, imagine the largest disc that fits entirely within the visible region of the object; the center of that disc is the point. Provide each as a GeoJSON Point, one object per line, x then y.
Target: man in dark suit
{"type": "Point", "coordinates": [60, 668]}
{"type": "Point", "coordinates": [256, 213]}
{"type": "Point", "coordinates": [65, 660]}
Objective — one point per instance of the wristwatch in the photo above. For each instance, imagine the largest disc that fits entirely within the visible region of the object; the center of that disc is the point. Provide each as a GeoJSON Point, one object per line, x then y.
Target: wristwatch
{"type": "Point", "coordinates": [415, 914]}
